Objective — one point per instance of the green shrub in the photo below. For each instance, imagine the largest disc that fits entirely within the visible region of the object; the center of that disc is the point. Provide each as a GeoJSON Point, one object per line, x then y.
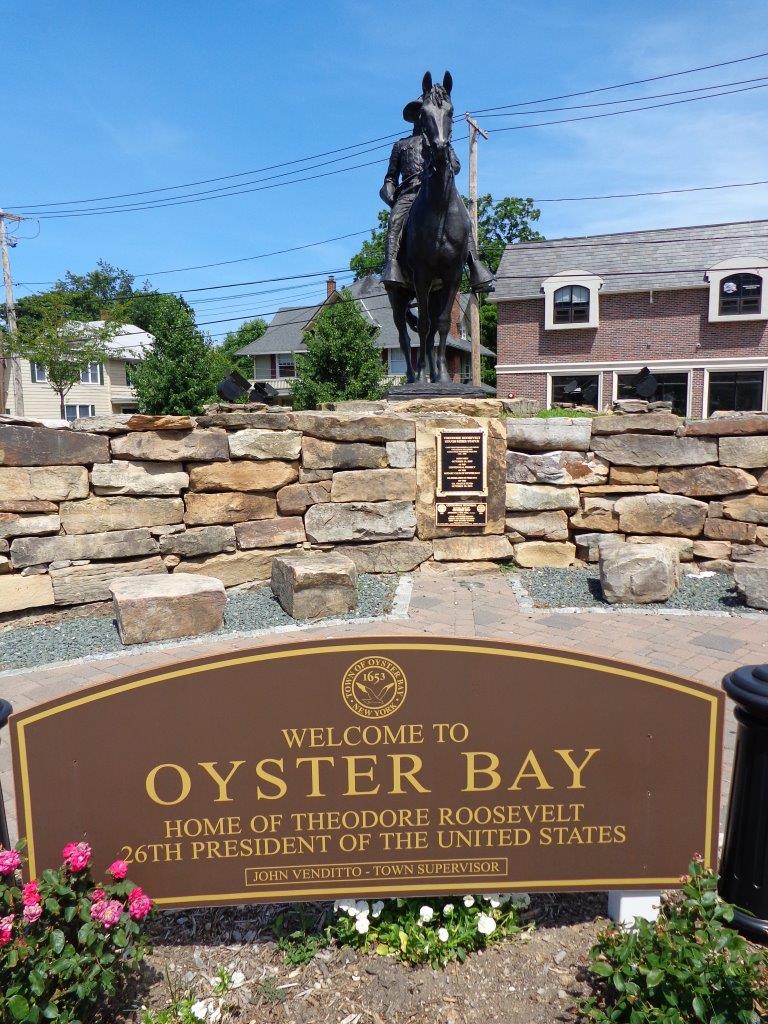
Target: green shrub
{"type": "Point", "coordinates": [687, 967]}
{"type": "Point", "coordinates": [549, 414]}
{"type": "Point", "coordinates": [432, 931]}
{"type": "Point", "coordinates": [66, 944]}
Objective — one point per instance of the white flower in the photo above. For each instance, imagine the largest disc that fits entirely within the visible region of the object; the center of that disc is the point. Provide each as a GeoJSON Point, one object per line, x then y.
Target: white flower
{"type": "Point", "coordinates": [442, 934]}
{"type": "Point", "coordinates": [361, 907]}
{"type": "Point", "coordinates": [199, 1010]}
{"type": "Point", "coordinates": [485, 924]}
{"type": "Point", "coordinates": [362, 924]}
{"type": "Point", "coordinates": [494, 898]}
{"type": "Point", "coordinates": [469, 901]}
{"type": "Point", "coordinates": [342, 906]}
{"type": "Point", "coordinates": [238, 979]}
{"type": "Point", "coordinates": [426, 913]}
{"type": "Point", "coordinates": [377, 908]}
{"type": "Point", "coordinates": [448, 909]}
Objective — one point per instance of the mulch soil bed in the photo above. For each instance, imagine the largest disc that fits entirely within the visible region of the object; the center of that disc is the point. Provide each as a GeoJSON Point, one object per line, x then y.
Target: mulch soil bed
{"type": "Point", "coordinates": [535, 978]}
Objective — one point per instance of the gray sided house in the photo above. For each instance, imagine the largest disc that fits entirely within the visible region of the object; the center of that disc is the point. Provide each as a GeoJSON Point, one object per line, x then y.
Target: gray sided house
{"type": "Point", "coordinates": [273, 353]}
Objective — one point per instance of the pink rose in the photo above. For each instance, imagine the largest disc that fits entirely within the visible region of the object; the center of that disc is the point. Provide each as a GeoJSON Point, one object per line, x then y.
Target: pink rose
{"type": "Point", "coordinates": [76, 856]}
{"type": "Point", "coordinates": [98, 895]}
{"type": "Point", "coordinates": [140, 907]}
{"type": "Point", "coordinates": [30, 894]}
{"type": "Point", "coordinates": [107, 912]}
{"type": "Point", "coordinates": [6, 929]}
{"type": "Point", "coordinates": [118, 869]}
{"type": "Point", "coordinates": [32, 912]}
{"type": "Point", "coordinates": [9, 861]}
{"type": "Point", "coordinates": [135, 894]}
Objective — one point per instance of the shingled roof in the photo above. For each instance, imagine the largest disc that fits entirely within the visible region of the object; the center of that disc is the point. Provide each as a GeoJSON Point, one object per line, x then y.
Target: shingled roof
{"type": "Point", "coordinates": [286, 332]}
{"type": "Point", "coordinates": [631, 261]}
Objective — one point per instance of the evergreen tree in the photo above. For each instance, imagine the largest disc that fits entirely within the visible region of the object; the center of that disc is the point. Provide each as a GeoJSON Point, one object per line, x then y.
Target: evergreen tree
{"type": "Point", "coordinates": [180, 374]}
{"type": "Point", "coordinates": [342, 362]}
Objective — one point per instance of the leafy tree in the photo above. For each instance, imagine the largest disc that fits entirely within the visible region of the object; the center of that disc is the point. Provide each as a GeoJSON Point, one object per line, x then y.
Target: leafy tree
{"type": "Point", "coordinates": [250, 331]}
{"type": "Point", "coordinates": [62, 346]}
{"type": "Point", "coordinates": [342, 361]}
{"type": "Point", "coordinates": [370, 258]}
{"type": "Point", "coordinates": [181, 372]}
{"type": "Point", "coordinates": [501, 223]}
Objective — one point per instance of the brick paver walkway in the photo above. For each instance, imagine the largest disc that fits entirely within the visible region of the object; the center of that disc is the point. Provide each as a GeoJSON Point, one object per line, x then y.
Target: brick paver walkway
{"type": "Point", "coordinates": [700, 647]}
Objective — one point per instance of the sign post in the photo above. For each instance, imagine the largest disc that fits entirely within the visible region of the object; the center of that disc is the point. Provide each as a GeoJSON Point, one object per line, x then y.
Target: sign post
{"type": "Point", "coordinates": [377, 767]}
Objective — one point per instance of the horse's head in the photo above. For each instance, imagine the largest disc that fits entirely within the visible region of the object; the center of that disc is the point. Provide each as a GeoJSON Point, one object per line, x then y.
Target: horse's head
{"type": "Point", "coordinates": [436, 117]}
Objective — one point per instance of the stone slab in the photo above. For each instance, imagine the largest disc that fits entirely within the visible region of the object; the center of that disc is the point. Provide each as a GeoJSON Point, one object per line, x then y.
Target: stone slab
{"type": "Point", "coordinates": [43, 483]}
{"type": "Point", "coordinates": [99, 514]}
{"type": "Point", "coordinates": [97, 546]}
{"type": "Point", "coordinates": [254, 443]}
{"type": "Point", "coordinates": [317, 454]}
{"type": "Point", "coordinates": [536, 553]}
{"type": "Point", "coordinates": [633, 475]}
{"type": "Point", "coordinates": [683, 547]}
{"type": "Point", "coordinates": [270, 533]}
{"type": "Point", "coordinates": [360, 521]}
{"type": "Point", "coordinates": [724, 426]}
{"type": "Point", "coordinates": [141, 421]}
{"type": "Point", "coordinates": [199, 540]}
{"type": "Point", "coordinates": [745, 452]}
{"type": "Point", "coordinates": [17, 593]}
{"type": "Point", "coordinates": [329, 426]}
{"type": "Point", "coordinates": [752, 585]}
{"type": "Point", "coordinates": [42, 446]}
{"type": "Point", "coordinates": [541, 498]}
{"type": "Point", "coordinates": [634, 449]}
{"type": "Point", "coordinates": [84, 584]}
{"type": "Point", "coordinates": [121, 477]}
{"type": "Point", "coordinates": [561, 468]}
{"type": "Point", "coordinates": [706, 481]}
{"type": "Point", "coordinates": [374, 485]}
{"type": "Point", "coordinates": [244, 475]}
{"type": "Point", "coordinates": [171, 446]}
{"type": "Point", "coordinates": [598, 514]}
{"type": "Point", "coordinates": [489, 548]}
{"type": "Point", "coordinates": [235, 569]}
{"type": "Point", "coordinates": [543, 435]}
{"type": "Point", "coordinates": [315, 586]}
{"type": "Point", "coordinates": [727, 529]}
{"type": "Point", "coordinates": [163, 607]}
{"type": "Point", "coordinates": [638, 573]}
{"type": "Point", "coordinates": [226, 507]}
{"type": "Point", "coordinates": [14, 525]}
{"type": "Point", "coordinates": [751, 509]}
{"type": "Point", "coordinates": [538, 526]}
{"type": "Point", "coordinates": [661, 514]}
{"type": "Point", "coordinates": [387, 556]}
{"type": "Point", "coordinates": [401, 454]}
{"type": "Point", "coordinates": [295, 499]}
{"type": "Point", "coordinates": [647, 422]}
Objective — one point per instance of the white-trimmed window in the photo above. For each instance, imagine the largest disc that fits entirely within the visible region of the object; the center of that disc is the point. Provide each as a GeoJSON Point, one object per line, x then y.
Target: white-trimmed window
{"type": "Point", "coordinates": [39, 373]}
{"type": "Point", "coordinates": [396, 361]}
{"type": "Point", "coordinates": [286, 366]}
{"type": "Point", "coordinates": [737, 289]}
{"type": "Point", "coordinates": [575, 389]}
{"type": "Point", "coordinates": [79, 412]}
{"type": "Point", "coordinates": [735, 391]}
{"type": "Point", "coordinates": [92, 374]}
{"type": "Point", "coordinates": [655, 386]}
{"type": "Point", "coordinates": [571, 300]}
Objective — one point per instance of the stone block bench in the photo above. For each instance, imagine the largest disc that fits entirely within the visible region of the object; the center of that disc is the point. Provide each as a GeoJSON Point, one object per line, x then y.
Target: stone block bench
{"type": "Point", "coordinates": [315, 586]}
{"type": "Point", "coordinates": [164, 607]}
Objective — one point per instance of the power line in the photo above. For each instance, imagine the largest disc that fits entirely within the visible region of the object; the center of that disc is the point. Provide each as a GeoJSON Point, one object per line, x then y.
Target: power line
{"type": "Point", "coordinates": [630, 99]}
{"type": "Point", "coordinates": [617, 113]}
{"type": "Point", "coordinates": [624, 85]}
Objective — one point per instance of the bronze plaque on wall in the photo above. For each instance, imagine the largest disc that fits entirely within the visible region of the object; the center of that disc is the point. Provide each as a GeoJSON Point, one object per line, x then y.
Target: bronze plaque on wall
{"type": "Point", "coordinates": [376, 767]}
{"type": "Point", "coordinates": [461, 513]}
{"type": "Point", "coordinates": [461, 462]}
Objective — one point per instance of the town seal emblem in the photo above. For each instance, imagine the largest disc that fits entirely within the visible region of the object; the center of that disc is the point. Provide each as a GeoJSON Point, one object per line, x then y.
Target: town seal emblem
{"type": "Point", "coordinates": [374, 687]}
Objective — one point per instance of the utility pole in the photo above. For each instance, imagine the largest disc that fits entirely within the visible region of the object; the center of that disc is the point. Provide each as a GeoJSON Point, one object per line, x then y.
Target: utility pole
{"type": "Point", "coordinates": [474, 302]}
{"type": "Point", "coordinates": [10, 311]}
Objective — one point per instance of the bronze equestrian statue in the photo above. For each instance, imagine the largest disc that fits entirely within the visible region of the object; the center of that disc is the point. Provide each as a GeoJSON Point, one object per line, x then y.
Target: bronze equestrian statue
{"type": "Point", "coordinates": [430, 235]}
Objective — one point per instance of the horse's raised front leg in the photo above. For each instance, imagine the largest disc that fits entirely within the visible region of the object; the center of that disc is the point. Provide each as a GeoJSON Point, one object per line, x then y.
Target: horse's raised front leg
{"type": "Point", "coordinates": [442, 316]}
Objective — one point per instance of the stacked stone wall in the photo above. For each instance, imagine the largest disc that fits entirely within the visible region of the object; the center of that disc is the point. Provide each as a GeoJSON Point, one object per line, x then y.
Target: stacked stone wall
{"type": "Point", "coordinates": [221, 495]}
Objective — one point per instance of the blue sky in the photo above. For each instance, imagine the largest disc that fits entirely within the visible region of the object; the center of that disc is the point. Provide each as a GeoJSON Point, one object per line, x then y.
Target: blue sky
{"type": "Point", "coordinates": [105, 98]}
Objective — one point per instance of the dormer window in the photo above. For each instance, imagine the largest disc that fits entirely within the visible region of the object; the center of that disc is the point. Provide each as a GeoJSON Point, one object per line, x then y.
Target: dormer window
{"type": "Point", "coordinates": [740, 293]}
{"type": "Point", "coordinates": [571, 305]}
{"type": "Point", "coordinates": [737, 289]}
{"type": "Point", "coordinates": [571, 300]}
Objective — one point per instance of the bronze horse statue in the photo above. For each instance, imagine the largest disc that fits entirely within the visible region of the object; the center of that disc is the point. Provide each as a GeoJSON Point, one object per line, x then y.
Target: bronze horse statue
{"type": "Point", "coordinates": [435, 241]}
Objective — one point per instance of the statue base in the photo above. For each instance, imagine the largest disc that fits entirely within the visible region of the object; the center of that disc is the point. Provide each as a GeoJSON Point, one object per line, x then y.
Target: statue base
{"type": "Point", "coordinates": [424, 389]}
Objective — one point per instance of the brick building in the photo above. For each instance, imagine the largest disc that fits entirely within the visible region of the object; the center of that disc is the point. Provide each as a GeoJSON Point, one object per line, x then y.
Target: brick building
{"type": "Point", "coordinates": [678, 314]}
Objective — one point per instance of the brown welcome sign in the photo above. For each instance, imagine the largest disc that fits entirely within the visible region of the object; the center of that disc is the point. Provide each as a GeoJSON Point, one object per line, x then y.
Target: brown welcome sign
{"type": "Point", "coordinates": [377, 767]}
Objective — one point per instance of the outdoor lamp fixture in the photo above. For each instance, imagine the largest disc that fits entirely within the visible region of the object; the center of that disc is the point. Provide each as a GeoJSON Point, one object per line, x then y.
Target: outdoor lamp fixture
{"type": "Point", "coordinates": [646, 384]}
{"type": "Point", "coordinates": [236, 386]}
{"type": "Point", "coordinates": [744, 860]}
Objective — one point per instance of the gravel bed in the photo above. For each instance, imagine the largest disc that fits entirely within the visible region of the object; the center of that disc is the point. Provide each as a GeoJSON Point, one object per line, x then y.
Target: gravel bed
{"type": "Point", "coordinates": [82, 637]}
{"type": "Point", "coordinates": [580, 588]}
